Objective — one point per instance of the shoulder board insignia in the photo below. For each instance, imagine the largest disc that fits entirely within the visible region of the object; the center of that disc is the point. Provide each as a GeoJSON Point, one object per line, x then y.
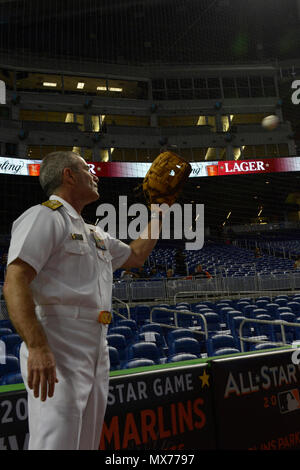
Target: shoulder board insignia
{"type": "Point", "coordinates": [52, 204]}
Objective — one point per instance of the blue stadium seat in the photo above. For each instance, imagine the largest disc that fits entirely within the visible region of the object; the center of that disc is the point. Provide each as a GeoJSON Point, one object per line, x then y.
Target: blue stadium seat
{"type": "Point", "coordinates": [141, 314]}
{"type": "Point", "coordinates": [11, 365]}
{"type": "Point", "coordinates": [130, 323]}
{"type": "Point", "coordinates": [5, 331]}
{"type": "Point", "coordinates": [7, 324]}
{"type": "Point", "coordinates": [162, 316]}
{"type": "Point", "coordinates": [119, 342]}
{"type": "Point", "coordinates": [151, 327]}
{"type": "Point", "coordinates": [295, 307]}
{"type": "Point", "coordinates": [179, 333]}
{"type": "Point", "coordinates": [114, 358]}
{"type": "Point", "coordinates": [212, 322]}
{"type": "Point", "coordinates": [182, 357]}
{"type": "Point", "coordinates": [259, 347]}
{"type": "Point", "coordinates": [261, 303]}
{"type": "Point", "coordinates": [185, 320]}
{"type": "Point", "coordinates": [259, 311]}
{"type": "Point", "coordinates": [216, 342]}
{"type": "Point", "coordinates": [134, 363]}
{"type": "Point", "coordinates": [145, 350]}
{"type": "Point", "coordinates": [272, 309]}
{"type": "Point", "coordinates": [153, 337]}
{"type": "Point", "coordinates": [226, 351]}
{"type": "Point", "coordinates": [12, 378]}
{"type": "Point", "coordinates": [185, 345]}
{"type": "Point", "coordinates": [11, 340]}
{"type": "Point", "coordinates": [125, 331]}
{"type": "Point", "coordinates": [248, 310]}
{"type": "Point", "coordinates": [264, 329]}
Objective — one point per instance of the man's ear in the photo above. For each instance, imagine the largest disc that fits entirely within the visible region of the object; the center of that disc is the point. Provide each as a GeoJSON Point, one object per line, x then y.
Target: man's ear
{"type": "Point", "coordinates": [68, 176]}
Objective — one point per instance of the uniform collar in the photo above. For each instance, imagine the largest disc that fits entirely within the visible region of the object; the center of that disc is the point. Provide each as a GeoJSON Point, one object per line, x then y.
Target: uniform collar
{"type": "Point", "coordinates": [70, 209]}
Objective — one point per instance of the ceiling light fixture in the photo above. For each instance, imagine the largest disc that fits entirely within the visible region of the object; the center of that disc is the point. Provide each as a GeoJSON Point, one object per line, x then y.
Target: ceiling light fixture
{"type": "Point", "coordinates": [49, 84]}
{"type": "Point", "coordinates": [80, 85]}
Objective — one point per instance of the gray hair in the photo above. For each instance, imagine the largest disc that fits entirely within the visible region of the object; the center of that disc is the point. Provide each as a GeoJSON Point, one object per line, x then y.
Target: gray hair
{"type": "Point", "coordinates": [52, 167]}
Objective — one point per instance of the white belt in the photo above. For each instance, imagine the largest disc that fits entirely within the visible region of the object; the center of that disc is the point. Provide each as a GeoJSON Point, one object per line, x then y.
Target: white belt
{"type": "Point", "coordinates": [70, 311]}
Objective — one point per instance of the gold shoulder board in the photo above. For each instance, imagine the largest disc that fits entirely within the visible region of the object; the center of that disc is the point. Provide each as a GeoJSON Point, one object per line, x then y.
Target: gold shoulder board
{"type": "Point", "coordinates": [52, 204]}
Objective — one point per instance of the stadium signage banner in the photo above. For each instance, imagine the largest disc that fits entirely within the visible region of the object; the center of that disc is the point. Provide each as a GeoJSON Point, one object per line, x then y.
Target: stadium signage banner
{"type": "Point", "coordinates": [168, 409]}
{"type": "Point", "coordinates": [13, 421]}
{"type": "Point", "coordinates": [16, 166]}
{"type": "Point", "coordinates": [257, 402]}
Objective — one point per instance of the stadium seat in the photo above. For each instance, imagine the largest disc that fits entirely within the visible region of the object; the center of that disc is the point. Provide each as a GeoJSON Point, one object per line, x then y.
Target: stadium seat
{"type": "Point", "coordinates": [226, 351]}
{"type": "Point", "coordinates": [114, 358]}
{"type": "Point", "coordinates": [162, 316]}
{"type": "Point", "coordinates": [7, 324]}
{"type": "Point", "coordinates": [272, 309]}
{"type": "Point", "coordinates": [11, 365]}
{"type": "Point", "coordinates": [12, 378]}
{"type": "Point", "coordinates": [145, 350]}
{"type": "Point", "coordinates": [185, 320]}
{"type": "Point", "coordinates": [179, 333]}
{"type": "Point", "coordinates": [259, 347]}
{"type": "Point", "coordinates": [216, 342]}
{"type": "Point", "coordinates": [212, 321]}
{"type": "Point", "coordinates": [295, 307]}
{"type": "Point", "coordinates": [141, 314]}
{"type": "Point", "coordinates": [259, 311]}
{"type": "Point", "coordinates": [153, 337]}
{"type": "Point", "coordinates": [130, 323]}
{"type": "Point", "coordinates": [151, 327]}
{"type": "Point", "coordinates": [265, 329]}
{"type": "Point", "coordinates": [11, 340]}
{"type": "Point", "coordinates": [182, 357]}
{"type": "Point", "coordinates": [125, 331]}
{"type": "Point", "coordinates": [185, 345]}
{"type": "Point", "coordinates": [138, 363]}
{"type": "Point", "coordinates": [118, 341]}
{"type": "Point", "coordinates": [5, 331]}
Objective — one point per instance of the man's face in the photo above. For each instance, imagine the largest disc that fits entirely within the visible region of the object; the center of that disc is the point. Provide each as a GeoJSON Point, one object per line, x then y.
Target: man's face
{"type": "Point", "coordinates": [87, 183]}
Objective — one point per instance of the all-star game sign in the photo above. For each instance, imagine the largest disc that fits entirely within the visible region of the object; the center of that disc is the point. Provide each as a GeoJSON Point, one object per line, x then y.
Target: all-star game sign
{"type": "Point", "coordinates": [161, 409]}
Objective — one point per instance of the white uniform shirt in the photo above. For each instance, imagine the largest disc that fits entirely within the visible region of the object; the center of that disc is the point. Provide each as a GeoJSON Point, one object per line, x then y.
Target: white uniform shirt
{"type": "Point", "coordinates": [70, 271]}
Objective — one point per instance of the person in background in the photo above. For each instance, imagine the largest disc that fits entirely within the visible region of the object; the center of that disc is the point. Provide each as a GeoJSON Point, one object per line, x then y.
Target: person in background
{"type": "Point", "coordinates": [297, 263]}
{"type": "Point", "coordinates": [200, 273]}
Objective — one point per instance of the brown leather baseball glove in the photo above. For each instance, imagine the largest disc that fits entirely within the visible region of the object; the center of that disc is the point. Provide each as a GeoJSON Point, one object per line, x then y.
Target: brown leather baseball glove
{"type": "Point", "coordinates": [165, 178]}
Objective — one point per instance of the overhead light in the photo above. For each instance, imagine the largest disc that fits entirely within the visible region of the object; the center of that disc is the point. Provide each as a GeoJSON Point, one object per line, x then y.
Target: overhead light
{"type": "Point", "coordinates": [115, 89]}
{"type": "Point", "coordinates": [50, 84]}
{"type": "Point", "coordinates": [101, 88]}
{"type": "Point", "coordinates": [80, 85]}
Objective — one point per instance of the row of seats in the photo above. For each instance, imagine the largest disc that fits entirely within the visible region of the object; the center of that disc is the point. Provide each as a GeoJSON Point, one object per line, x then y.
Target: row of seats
{"type": "Point", "coordinates": [137, 338]}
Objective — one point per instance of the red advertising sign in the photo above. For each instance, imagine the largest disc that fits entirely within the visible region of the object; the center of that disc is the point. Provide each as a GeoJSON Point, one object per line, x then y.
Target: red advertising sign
{"type": "Point", "coordinates": [17, 166]}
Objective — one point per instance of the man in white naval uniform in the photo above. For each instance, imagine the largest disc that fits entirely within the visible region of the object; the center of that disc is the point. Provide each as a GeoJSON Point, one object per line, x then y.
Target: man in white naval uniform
{"type": "Point", "coordinates": [58, 291]}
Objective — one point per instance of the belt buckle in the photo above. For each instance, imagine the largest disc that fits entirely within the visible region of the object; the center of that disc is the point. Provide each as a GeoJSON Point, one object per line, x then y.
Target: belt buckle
{"type": "Point", "coordinates": [105, 317]}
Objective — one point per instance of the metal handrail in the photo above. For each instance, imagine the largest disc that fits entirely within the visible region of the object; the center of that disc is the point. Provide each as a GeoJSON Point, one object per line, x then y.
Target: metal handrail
{"type": "Point", "coordinates": [185, 312]}
{"type": "Point", "coordinates": [123, 303]}
{"type": "Point", "coordinates": [281, 323]}
{"type": "Point", "coordinates": [252, 293]}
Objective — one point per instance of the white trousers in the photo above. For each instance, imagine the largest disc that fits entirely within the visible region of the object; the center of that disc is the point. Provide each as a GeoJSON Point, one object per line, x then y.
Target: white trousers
{"type": "Point", "coordinates": [72, 419]}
